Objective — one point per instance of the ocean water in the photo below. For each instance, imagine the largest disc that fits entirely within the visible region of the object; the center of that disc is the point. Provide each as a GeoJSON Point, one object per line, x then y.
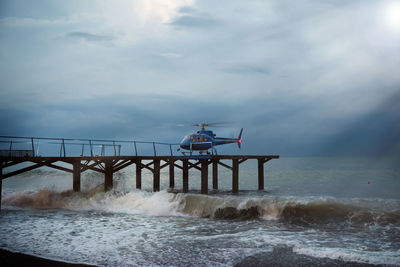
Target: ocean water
{"type": "Point", "coordinates": [321, 210]}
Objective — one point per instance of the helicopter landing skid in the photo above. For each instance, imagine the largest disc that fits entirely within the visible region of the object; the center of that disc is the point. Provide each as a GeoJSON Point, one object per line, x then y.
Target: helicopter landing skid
{"type": "Point", "coordinates": [200, 153]}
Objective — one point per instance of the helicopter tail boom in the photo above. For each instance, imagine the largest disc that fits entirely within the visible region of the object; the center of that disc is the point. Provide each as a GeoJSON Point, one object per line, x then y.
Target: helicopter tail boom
{"type": "Point", "coordinates": [222, 140]}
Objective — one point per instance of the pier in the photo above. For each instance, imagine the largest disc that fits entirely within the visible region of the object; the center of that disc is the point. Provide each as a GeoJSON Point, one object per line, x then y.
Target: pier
{"type": "Point", "coordinates": [109, 164]}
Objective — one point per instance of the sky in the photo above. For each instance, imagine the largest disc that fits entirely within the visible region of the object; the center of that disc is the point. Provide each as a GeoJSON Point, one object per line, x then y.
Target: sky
{"type": "Point", "coordinates": [303, 78]}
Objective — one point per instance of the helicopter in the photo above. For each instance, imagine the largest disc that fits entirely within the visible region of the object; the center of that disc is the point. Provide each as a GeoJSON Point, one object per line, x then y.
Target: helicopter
{"type": "Point", "coordinates": [204, 140]}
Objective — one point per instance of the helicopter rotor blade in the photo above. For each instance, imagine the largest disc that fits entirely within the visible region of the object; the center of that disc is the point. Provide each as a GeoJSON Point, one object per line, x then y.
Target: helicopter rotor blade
{"type": "Point", "coordinates": [211, 124]}
{"type": "Point", "coordinates": [218, 123]}
{"type": "Point", "coordinates": [217, 126]}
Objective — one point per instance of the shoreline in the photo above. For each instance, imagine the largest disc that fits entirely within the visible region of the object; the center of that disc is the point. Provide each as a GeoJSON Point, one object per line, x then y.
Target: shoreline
{"type": "Point", "coordinates": [11, 259]}
{"type": "Point", "coordinates": [280, 256]}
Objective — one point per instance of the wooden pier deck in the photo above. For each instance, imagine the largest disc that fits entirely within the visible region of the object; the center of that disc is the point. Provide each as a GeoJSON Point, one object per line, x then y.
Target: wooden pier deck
{"type": "Point", "coordinates": [108, 165]}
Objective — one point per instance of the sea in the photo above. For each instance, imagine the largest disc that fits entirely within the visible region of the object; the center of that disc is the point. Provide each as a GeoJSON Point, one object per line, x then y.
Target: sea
{"type": "Point", "coordinates": [314, 211]}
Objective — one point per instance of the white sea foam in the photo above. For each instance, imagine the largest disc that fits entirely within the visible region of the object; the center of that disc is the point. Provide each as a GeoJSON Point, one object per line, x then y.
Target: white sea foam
{"type": "Point", "coordinates": [159, 204]}
{"type": "Point", "coordinates": [355, 255]}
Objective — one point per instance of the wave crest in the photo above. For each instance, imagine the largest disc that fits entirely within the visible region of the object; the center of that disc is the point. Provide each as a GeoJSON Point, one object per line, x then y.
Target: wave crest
{"type": "Point", "coordinates": [302, 211]}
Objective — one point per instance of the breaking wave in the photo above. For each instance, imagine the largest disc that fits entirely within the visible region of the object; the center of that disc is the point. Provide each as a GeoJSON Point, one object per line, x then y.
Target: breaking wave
{"type": "Point", "coordinates": [302, 211]}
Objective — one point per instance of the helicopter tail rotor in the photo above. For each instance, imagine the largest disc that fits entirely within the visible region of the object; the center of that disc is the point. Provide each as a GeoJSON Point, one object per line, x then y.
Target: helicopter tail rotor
{"type": "Point", "coordinates": [240, 138]}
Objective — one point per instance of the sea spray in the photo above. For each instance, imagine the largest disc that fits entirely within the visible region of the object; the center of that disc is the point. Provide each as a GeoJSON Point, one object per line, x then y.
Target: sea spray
{"type": "Point", "coordinates": [44, 198]}
{"type": "Point", "coordinates": [158, 204]}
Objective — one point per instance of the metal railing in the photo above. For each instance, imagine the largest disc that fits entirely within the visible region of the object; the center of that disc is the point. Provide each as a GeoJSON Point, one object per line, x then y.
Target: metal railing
{"type": "Point", "coordinates": [17, 146]}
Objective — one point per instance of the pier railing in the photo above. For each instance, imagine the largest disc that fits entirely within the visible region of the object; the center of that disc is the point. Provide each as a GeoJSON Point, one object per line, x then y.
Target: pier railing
{"type": "Point", "coordinates": [16, 146]}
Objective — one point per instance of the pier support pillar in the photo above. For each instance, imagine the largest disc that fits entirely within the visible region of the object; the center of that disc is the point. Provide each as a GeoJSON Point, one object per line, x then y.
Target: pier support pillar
{"type": "Point", "coordinates": [1, 182]}
{"type": "Point", "coordinates": [260, 174]}
{"type": "Point", "coordinates": [204, 176]}
{"type": "Point", "coordinates": [76, 185]}
{"type": "Point", "coordinates": [139, 174]}
{"type": "Point", "coordinates": [108, 175]}
{"type": "Point", "coordinates": [156, 175]}
{"type": "Point", "coordinates": [185, 175]}
{"type": "Point", "coordinates": [171, 173]}
{"type": "Point", "coordinates": [215, 174]}
{"type": "Point", "coordinates": [235, 176]}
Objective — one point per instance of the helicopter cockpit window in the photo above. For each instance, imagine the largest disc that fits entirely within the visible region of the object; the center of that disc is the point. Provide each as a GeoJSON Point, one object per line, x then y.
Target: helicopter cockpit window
{"type": "Point", "coordinates": [188, 137]}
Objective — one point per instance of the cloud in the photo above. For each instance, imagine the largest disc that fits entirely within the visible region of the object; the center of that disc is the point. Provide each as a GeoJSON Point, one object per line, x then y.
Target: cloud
{"type": "Point", "coordinates": [187, 10]}
{"type": "Point", "coordinates": [295, 76]}
{"type": "Point", "coordinates": [34, 22]}
{"type": "Point", "coordinates": [374, 133]}
{"type": "Point", "coordinates": [246, 69]}
{"type": "Point", "coordinates": [171, 55]}
{"type": "Point", "coordinates": [194, 21]}
{"type": "Point", "coordinates": [88, 37]}
{"type": "Point", "coordinates": [191, 17]}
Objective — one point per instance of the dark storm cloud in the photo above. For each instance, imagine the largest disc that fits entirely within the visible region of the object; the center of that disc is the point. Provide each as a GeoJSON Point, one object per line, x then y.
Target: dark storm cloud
{"type": "Point", "coordinates": [375, 133]}
{"type": "Point", "coordinates": [284, 127]}
{"type": "Point", "coordinates": [16, 121]}
{"type": "Point", "coordinates": [143, 117]}
{"type": "Point", "coordinates": [87, 36]}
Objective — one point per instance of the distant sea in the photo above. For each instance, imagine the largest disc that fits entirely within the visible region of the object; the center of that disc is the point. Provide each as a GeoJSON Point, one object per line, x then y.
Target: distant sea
{"type": "Point", "coordinates": [313, 211]}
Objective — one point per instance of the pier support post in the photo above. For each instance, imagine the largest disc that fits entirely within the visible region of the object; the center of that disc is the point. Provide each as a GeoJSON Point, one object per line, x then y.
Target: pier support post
{"type": "Point", "coordinates": [76, 184]}
{"type": "Point", "coordinates": [235, 176]}
{"type": "Point", "coordinates": [108, 175]}
{"type": "Point", "coordinates": [204, 176]}
{"type": "Point", "coordinates": [171, 173]}
{"type": "Point", "coordinates": [260, 174]}
{"type": "Point", "coordinates": [215, 174]}
{"type": "Point", "coordinates": [185, 175]}
{"type": "Point", "coordinates": [156, 175]}
{"type": "Point", "coordinates": [1, 182]}
{"type": "Point", "coordinates": [138, 174]}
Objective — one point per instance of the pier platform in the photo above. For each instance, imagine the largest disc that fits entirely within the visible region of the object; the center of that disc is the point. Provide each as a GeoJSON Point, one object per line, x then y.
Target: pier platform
{"type": "Point", "coordinates": [12, 159]}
